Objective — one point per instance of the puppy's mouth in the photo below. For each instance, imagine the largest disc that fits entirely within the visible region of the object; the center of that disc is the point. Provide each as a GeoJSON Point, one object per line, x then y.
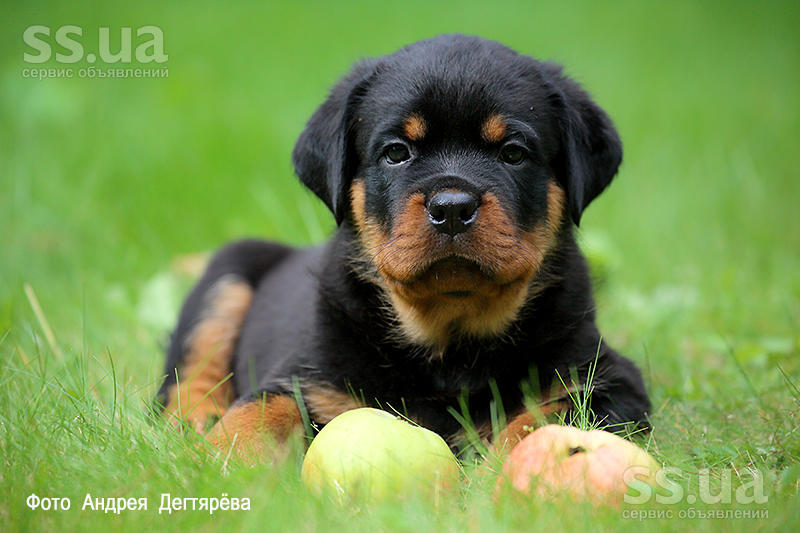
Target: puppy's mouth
{"type": "Point", "coordinates": [453, 276]}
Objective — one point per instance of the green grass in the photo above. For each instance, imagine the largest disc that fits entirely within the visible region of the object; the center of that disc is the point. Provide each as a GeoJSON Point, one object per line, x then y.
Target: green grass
{"type": "Point", "coordinates": [104, 183]}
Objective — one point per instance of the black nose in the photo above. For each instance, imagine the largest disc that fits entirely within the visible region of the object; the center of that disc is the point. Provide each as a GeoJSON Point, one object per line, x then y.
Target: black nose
{"type": "Point", "coordinates": [452, 212]}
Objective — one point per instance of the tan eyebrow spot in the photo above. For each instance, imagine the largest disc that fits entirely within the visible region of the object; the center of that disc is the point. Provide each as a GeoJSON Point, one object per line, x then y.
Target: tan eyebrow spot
{"type": "Point", "coordinates": [415, 127]}
{"type": "Point", "coordinates": [494, 129]}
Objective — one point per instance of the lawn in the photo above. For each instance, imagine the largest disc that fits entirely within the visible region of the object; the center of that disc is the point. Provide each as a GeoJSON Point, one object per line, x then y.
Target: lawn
{"type": "Point", "coordinates": [110, 187]}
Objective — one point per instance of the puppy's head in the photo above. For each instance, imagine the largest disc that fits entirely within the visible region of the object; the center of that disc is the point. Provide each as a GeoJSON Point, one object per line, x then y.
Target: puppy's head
{"type": "Point", "coordinates": [458, 162]}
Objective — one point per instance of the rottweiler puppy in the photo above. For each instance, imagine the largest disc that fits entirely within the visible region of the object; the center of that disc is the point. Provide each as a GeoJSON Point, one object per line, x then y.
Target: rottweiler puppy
{"type": "Point", "coordinates": [456, 169]}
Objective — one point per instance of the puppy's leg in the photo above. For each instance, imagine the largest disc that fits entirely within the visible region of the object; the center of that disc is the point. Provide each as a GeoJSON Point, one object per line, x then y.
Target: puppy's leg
{"type": "Point", "coordinates": [203, 388]}
{"type": "Point", "coordinates": [198, 383]}
{"type": "Point", "coordinates": [256, 430]}
{"type": "Point", "coordinates": [619, 396]}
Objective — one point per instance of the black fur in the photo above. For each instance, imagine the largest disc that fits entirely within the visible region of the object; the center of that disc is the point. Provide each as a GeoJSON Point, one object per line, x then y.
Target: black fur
{"type": "Point", "coordinates": [316, 317]}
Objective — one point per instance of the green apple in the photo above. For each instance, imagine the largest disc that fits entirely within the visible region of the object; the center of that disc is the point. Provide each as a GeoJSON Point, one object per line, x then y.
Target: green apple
{"type": "Point", "coordinates": [369, 454]}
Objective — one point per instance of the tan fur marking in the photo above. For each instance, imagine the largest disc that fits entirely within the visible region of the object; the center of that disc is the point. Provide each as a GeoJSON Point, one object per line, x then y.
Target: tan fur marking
{"type": "Point", "coordinates": [543, 237]}
{"type": "Point", "coordinates": [415, 127]}
{"type": "Point", "coordinates": [369, 230]}
{"type": "Point", "coordinates": [556, 200]}
{"type": "Point", "coordinates": [326, 403]}
{"type": "Point", "coordinates": [544, 234]}
{"type": "Point", "coordinates": [522, 424]}
{"type": "Point", "coordinates": [256, 430]}
{"type": "Point", "coordinates": [202, 390]}
{"type": "Point", "coordinates": [494, 129]}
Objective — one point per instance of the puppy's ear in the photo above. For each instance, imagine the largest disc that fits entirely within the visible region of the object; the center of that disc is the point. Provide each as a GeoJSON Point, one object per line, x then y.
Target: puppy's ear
{"type": "Point", "coordinates": [591, 150]}
{"type": "Point", "coordinates": [323, 157]}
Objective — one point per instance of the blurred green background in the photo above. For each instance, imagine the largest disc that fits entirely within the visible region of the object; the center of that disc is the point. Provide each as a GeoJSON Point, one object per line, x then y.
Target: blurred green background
{"type": "Point", "coordinates": [106, 183]}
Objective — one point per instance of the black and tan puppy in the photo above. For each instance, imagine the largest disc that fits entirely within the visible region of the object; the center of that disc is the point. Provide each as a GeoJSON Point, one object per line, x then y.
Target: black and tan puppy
{"type": "Point", "coordinates": [455, 169]}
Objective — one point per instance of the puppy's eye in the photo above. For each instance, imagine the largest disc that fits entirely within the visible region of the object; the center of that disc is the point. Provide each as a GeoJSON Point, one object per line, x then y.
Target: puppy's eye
{"type": "Point", "coordinates": [512, 154]}
{"type": "Point", "coordinates": [397, 153]}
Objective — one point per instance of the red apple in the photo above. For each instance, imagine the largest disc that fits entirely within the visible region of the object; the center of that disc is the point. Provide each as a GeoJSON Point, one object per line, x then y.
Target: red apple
{"type": "Point", "coordinates": [585, 465]}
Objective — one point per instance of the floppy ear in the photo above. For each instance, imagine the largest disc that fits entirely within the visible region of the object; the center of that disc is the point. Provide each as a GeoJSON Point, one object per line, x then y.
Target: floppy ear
{"type": "Point", "coordinates": [591, 150]}
{"type": "Point", "coordinates": [323, 157]}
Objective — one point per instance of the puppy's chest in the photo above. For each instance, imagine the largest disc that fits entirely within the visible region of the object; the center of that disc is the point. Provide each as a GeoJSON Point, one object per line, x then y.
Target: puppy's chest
{"type": "Point", "coordinates": [446, 381]}
{"type": "Point", "coordinates": [443, 398]}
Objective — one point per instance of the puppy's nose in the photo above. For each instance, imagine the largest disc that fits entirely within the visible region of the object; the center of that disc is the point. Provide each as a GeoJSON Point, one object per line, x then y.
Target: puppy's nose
{"type": "Point", "coordinates": [452, 212]}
